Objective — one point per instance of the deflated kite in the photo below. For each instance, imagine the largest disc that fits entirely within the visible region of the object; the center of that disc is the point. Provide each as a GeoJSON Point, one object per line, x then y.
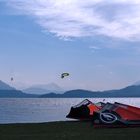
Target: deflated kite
{"type": "Point", "coordinates": [106, 114]}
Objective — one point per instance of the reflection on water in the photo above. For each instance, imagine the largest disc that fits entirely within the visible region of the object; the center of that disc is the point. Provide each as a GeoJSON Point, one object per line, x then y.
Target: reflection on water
{"type": "Point", "coordinates": [16, 110]}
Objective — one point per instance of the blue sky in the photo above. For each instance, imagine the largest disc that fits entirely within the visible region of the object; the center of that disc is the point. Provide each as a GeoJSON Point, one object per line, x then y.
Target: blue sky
{"type": "Point", "coordinates": [96, 41]}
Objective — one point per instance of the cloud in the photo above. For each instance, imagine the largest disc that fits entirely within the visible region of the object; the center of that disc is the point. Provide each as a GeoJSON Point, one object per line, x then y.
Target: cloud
{"type": "Point", "coordinates": [94, 47]}
{"type": "Point", "coordinates": [76, 18]}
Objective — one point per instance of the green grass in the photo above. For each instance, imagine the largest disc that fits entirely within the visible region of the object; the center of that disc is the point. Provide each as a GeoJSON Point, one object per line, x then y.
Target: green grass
{"type": "Point", "coordinates": [65, 131]}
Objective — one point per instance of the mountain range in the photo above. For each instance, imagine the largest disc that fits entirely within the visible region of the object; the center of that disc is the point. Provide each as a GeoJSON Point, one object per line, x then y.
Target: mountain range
{"type": "Point", "coordinates": [130, 91]}
{"type": "Point", "coordinates": [43, 89]}
{"type": "Point", "coordinates": [4, 86]}
{"type": "Point", "coordinates": [7, 91]}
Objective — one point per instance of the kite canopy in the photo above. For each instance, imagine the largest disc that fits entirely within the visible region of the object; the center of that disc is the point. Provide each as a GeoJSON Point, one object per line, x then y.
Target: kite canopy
{"type": "Point", "coordinates": [106, 114]}
{"type": "Point", "coordinates": [84, 110]}
{"type": "Point", "coordinates": [117, 115]}
{"type": "Point", "coordinates": [12, 78]}
{"type": "Point", "coordinates": [63, 75]}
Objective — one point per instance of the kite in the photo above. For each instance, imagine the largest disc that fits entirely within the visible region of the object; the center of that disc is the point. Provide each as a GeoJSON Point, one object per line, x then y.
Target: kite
{"type": "Point", "coordinates": [106, 114]}
{"type": "Point", "coordinates": [63, 75]}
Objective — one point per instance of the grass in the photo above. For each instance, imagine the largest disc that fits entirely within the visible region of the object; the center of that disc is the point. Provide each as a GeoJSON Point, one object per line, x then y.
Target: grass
{"type": "Point", "coordinates": [65, 131]}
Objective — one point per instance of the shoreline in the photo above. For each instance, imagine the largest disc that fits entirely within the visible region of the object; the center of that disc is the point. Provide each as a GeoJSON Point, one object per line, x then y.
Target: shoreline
{"type": "Point", "coordinates": [65, 130]}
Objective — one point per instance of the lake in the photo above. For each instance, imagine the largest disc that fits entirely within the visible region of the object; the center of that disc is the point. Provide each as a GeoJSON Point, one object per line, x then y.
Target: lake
{"type": "Point", "coordinates": [17, 110]}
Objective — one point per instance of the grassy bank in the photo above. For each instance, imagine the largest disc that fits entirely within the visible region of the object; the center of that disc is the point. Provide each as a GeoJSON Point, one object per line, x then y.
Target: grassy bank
{"type": "Point", "coordinates": [65, 131]}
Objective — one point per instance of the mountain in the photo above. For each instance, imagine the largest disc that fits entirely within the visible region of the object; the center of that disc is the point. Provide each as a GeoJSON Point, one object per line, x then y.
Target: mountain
{"type": "Point", "coordinates": [6, 91]}
{"type": "Point", "coordinates": [136, 83]}
{"type": "Point", "coordinates": [130, 91]}
{"type": "Point", "coordinates": [79, 93]}
{"type": "Point", "coordinates": [4, 86]}
{"type": "Point", "coordinates": [15, 94]}
{"type": "Point", "coordinates": [43, 89]}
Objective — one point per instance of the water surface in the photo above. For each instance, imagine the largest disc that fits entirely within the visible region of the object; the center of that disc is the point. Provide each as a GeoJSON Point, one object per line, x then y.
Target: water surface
{"type": "Point", "coordinates": [17, 110]}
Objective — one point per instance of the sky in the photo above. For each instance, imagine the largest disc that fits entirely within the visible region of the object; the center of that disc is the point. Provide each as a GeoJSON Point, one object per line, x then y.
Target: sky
{"type": "Point", "coordinates": [96, 41]}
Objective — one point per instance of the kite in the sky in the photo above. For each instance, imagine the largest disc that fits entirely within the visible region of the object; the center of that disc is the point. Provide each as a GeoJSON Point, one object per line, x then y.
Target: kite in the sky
{"type": "Point", "coordinates": [63, 75]}
{"type": "Point", "coordinates": [12, 78]}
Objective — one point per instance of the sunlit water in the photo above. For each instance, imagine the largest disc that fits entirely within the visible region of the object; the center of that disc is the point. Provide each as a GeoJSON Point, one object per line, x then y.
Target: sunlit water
{"type": "Point", "coordinates": [16, 110]}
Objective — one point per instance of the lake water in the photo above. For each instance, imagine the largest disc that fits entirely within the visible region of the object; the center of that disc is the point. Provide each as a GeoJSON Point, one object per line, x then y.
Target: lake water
{"type": "Point", "coordinates": [16, 110]}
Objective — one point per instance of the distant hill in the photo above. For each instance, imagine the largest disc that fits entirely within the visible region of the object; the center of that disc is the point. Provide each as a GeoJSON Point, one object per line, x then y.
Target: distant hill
{"type": "Point", "coordinates": [43, 89]}
{"type": "Point", "coordinates": [137, 83]}
{"type": "Point", "coordinates": [7, 91]}
{"type": "Point", "coordinates": [4, 86]}
{"type": "Point", "coordinates": [79, 93]}
{"type": "Point", "coordinates": [15, 94]}
{"type": "Point", "coordinates": [130, 91]}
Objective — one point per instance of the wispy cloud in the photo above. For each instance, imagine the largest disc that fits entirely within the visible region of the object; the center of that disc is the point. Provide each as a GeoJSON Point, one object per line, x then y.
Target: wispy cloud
{"type": "Point", "coordinates": [94, 47]}
{"type": "Point", "coordinates": [76, 18]}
